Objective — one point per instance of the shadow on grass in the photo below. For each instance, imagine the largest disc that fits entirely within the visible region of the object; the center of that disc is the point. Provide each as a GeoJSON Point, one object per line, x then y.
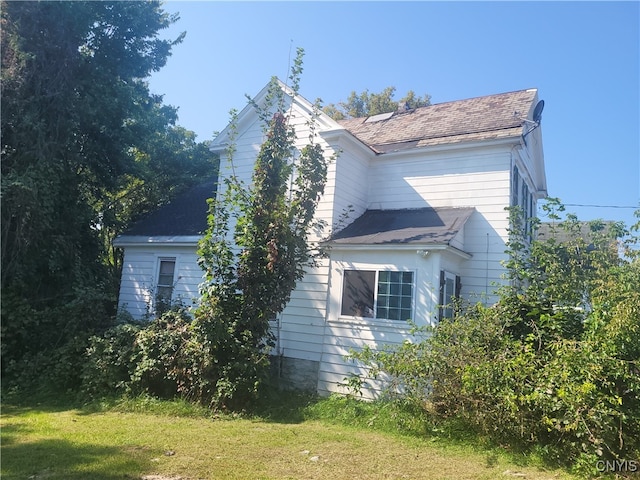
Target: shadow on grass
{"type": "Point", "coordinates": [61, 459]}
{"type": "Point", "coordinates": [284, 406]}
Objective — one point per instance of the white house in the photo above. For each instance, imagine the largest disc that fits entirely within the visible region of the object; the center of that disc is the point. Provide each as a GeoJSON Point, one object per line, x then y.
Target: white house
{"type": "Point", "coordinates": [417, 203]}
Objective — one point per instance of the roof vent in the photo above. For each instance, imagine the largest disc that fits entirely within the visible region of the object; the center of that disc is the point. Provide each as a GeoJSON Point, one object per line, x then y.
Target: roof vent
{"type": "Point", "coordinates": [403, 107]}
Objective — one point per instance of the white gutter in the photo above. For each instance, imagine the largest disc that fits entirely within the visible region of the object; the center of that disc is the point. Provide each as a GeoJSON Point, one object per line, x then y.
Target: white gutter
{"type": "Point", "coordinates": [165, 240]}
{"type": "Point", "coordinates": [420, 249]}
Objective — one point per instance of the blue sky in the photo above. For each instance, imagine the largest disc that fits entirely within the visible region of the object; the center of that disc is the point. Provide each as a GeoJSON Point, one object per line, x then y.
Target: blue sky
{"type": "Point", "coordinates": [583, 57]}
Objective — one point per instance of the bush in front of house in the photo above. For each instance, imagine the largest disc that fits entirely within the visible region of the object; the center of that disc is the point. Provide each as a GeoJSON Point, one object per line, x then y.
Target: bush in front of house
{"type": "Point", "coordinates": [174, 355]}
{"type": "Point", "coordinates": [554, 365]}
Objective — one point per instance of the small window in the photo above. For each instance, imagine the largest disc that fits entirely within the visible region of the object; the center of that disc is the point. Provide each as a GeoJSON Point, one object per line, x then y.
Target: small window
{"type": "Point", "coordinates": [449, 291]}
{"type": "Point", "coordinates": [515, 183]}
{"type": "Point", "coordinates": [377, 294]}
{"type": "Point", "coordinates": [164, 291]}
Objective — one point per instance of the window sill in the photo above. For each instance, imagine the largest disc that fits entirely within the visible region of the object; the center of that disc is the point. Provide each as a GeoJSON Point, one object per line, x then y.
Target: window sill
{"type": "Point", "coordinates": [370, 322]}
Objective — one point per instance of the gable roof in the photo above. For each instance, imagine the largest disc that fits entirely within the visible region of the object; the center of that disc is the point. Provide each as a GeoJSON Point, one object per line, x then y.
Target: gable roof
{"type": "Point", "coordinates": [482, 118]}
{"type": "Point", "coordinates": [419, 226]}
{"type": "Point", "coordinates": [186, 215]}
{"type": "Point", "coordinates": [249, 114]}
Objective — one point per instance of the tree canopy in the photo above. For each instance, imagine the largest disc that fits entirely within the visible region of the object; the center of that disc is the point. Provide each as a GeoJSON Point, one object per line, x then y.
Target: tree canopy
{"type": "Point", "coordinates": [86, 148]}
{"type": "Point", "coordinates": [365, 104]}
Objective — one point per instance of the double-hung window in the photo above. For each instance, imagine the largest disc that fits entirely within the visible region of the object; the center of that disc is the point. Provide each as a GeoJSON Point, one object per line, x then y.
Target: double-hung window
{"type": "Point", "coordinates": [164, 290]}
{"type": "Point", "coordinates": [378, 294]}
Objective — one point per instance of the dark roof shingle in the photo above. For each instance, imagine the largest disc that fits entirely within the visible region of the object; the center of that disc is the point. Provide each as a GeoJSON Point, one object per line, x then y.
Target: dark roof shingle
{"type": "Point", "coordinates": [405, 226]}
{"type": "Point", "coordinates": [185, 215]}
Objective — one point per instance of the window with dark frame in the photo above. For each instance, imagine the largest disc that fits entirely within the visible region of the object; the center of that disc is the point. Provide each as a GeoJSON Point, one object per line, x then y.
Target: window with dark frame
{"type": "Point", "coordinates": [523, 198]}
{"type": "Point", "coordinates": [378, 294]}
{"type": "Point", "coordinates": [450, 286]}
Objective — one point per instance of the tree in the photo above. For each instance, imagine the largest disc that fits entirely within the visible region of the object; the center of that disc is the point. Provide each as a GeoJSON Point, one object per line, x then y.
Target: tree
{"type": "Point", "coordinates": [85, 146]}
{"type": "Point", "coordinates": [367, 104]}
{"type": "Point", "coordinates": [252, 265]}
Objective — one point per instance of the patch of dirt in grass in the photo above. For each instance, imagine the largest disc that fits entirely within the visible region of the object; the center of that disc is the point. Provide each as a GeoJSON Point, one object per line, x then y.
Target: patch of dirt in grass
{"type": "Point", "coordinates": [161, 477]}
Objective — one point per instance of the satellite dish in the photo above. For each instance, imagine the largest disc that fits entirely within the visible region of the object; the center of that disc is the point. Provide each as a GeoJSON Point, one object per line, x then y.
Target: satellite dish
{"type": "Point", "coordinates": [537, 112]}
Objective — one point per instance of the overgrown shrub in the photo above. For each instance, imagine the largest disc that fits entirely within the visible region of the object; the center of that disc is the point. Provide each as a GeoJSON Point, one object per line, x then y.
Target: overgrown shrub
{"type": "Point", "coordinates": [43, 344]}
{"type": "Point", "coordinates": [110, 361]}
{"type": "Point", "coordinates": [175, 355]}
{"type": "Point", "coordinates": [555, 364]}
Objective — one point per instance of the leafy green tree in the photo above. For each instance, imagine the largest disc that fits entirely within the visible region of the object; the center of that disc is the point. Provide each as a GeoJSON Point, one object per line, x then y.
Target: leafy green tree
{"type": "Point", "coordinates": [366, 104]}
{"type": "Point", "coordinates": [85, 147]}
{"type": "Point", "coordinates": [252, 269]}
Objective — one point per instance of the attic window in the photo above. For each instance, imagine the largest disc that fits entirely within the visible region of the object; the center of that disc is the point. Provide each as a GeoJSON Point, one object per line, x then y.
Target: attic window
{"type": "Point", "coordinates": [379, 118]}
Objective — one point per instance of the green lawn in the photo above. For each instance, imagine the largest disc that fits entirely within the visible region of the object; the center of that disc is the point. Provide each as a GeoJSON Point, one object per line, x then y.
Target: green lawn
{"type": "Point", "coordinates": [170, 440]}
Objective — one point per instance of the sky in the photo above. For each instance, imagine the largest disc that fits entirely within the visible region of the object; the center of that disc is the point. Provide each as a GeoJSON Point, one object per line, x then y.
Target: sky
{"type": "Point", "coordinates": [583, 57]}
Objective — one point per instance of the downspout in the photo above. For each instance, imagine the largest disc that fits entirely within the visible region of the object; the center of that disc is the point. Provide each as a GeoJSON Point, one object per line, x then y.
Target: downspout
{"type": "Point", "coordinates": [486, 273]}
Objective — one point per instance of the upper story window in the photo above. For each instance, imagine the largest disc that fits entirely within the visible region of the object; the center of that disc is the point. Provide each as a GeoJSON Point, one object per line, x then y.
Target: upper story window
{"type": "Point", "coordinates": [522, 197]}
{"type": "Point", "coordinates": [378, 294]}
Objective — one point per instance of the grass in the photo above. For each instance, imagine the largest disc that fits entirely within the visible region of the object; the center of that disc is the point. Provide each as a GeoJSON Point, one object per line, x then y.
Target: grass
{"type": "Point", "coordinates": [299, 438]}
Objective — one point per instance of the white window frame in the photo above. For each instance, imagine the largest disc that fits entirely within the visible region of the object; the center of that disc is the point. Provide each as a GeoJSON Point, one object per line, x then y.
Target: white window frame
{"type": "Point", "coordinates": [376, 288]}
{"type": "Point", "coordinates": [158, 285]}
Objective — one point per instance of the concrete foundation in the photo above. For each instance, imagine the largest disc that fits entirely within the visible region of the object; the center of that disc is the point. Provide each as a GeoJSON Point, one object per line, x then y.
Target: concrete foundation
{"type": "Point", "coordinates": [295, 373]}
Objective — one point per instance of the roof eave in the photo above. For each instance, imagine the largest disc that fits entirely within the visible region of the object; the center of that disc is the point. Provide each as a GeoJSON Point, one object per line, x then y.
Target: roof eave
{"type": "Point", "coordinates": [157, 240]}
{"type": "Point", "coordinates": [419, 248]}
{"type": "Point", "coordinates": [511, 140]}
{"type": "Point", "coordinates": [341, 134]}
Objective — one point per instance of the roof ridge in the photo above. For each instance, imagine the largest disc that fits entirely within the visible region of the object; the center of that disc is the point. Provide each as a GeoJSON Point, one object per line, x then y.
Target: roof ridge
{"type": "Point", "coordinates": [483, 96]}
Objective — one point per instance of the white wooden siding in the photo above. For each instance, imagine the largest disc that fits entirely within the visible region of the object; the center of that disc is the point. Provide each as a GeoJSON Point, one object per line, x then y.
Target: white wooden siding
{"type": "Point", "coordinates": [140, 276]}
{"type": "Point", "coordinates": [342, 334]}
{"type": "Point", "coordinates": [300, 326]}
{"type": "Point", "coordinates": [477, 178]}
{"type": "Point", "coordinates": [351, 188]}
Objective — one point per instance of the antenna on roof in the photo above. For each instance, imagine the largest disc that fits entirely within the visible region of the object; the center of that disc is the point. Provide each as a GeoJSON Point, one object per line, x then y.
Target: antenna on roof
{"type": "Point", "coordinates": [537, 119]}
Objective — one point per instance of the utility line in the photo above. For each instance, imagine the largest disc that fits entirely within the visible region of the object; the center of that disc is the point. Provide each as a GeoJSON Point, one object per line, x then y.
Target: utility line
{"type": "Point", "coordinates": [598, 206]}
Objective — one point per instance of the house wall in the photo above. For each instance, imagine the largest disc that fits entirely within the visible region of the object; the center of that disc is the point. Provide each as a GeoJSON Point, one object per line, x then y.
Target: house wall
{"type": "Point", "coordinates": [342, 334]}
{"type": "Point", "coordinates": [312, 342]}
{"type": "Point", "coordinates": [477, 177]}
{"type": "Point", "coordinates": [351, 186]}
{"type": "Point", "coordinates": [140, 276]}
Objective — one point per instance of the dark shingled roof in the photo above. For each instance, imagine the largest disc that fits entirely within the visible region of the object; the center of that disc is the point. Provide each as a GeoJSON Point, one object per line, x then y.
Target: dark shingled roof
{"type": "Point", "coordinates": [184, 216]}
{"type": "Point", "coordinates": [406, 226]}
{"type": "Point", "coordinates": [474, 119]}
